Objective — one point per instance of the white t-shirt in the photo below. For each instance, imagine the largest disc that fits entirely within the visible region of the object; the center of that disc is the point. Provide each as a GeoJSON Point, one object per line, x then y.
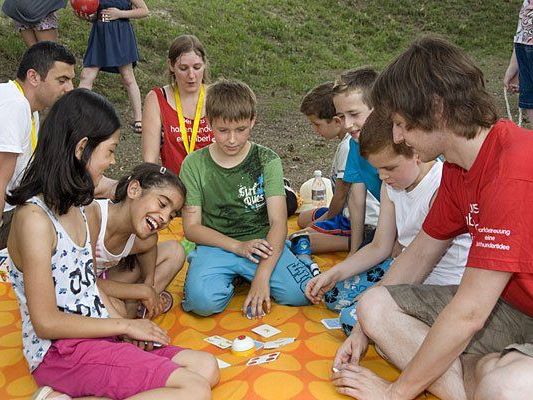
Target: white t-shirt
{"type": "Point", "coordinates": [339, 164]}
{"type": "Point", "coordinates": [15, 136]}
{"type": "Point", "coordinates": [411, 209]}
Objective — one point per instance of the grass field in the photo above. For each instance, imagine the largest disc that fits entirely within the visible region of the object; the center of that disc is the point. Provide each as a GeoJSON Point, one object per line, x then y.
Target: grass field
{"type": "Point", "coordinates": [283, 48]}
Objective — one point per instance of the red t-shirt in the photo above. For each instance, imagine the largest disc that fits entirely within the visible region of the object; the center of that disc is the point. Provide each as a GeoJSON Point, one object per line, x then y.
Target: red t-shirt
{"type": "Point", "coordinates": [493, 201]}
{"type": "Point", "coordinates": [172, 151]}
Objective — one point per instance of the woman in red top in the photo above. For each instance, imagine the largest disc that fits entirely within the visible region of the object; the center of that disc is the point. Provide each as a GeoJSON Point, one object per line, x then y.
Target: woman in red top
{"type": "Point", "coordinates": [173, 117]}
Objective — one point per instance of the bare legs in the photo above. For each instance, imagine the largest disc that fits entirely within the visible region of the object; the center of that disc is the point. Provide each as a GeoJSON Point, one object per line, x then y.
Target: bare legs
{"type": "Point", "coordinates": [31, 36]}
{"type": "Point", "coordinates": [88, 76]}
{"type": "Point", "coordinates": [399, 336]}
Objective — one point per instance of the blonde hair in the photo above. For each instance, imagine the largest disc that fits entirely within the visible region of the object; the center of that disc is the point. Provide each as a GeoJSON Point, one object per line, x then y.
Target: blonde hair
{"type": "Point", "coordinates": [230, 100]}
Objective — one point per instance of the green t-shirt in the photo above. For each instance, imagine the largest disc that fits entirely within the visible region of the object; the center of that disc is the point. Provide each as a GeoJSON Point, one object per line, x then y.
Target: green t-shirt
{"type": "Point", "coordinates": [233, 200]}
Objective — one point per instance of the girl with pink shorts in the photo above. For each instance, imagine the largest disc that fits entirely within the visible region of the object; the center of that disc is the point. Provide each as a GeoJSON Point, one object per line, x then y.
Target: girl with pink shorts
{"type": "Point", "coordinates": [74, 341]}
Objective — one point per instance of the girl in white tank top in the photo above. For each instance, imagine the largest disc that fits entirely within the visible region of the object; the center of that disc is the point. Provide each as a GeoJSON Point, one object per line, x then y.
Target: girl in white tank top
{"type": "Point", "coordinates": [133, 269]}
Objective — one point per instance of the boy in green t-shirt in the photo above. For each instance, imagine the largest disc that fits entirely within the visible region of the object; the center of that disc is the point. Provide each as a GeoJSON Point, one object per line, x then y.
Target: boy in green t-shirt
{"type": "Point", "coordinates": [236, 213]}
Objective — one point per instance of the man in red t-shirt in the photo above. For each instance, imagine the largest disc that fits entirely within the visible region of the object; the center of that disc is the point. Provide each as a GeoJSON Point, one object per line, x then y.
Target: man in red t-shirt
{"type": "Point", "coordinates": [474, 340]}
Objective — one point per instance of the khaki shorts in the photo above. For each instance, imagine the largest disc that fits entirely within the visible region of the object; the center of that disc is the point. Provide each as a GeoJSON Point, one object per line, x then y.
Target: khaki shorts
{"type": "Point", "coordinates": [505, 330]}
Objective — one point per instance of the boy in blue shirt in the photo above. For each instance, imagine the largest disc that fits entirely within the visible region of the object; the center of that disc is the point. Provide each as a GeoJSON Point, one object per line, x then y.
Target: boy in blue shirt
{"type": "Point", "coordinates": [354, 226]}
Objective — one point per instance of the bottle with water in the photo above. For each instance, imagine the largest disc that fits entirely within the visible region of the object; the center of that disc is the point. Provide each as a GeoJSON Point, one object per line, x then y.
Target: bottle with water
{"type": "Point", "coordinates": [318, 190]}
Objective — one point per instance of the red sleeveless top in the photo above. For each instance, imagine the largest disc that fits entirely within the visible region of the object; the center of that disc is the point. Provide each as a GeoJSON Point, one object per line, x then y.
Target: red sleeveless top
{"type": "Point", "coordinates": [172, 151]}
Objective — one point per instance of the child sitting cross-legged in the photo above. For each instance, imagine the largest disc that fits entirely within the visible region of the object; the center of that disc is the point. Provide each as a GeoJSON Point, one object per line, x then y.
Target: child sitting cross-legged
{"type": "Point", "coordinates": [133, 269]}
{"type": "Point", "coordinates": [235, 211]}
{"type": "Point", "coordinates": [318, 107]}
{"type": "Point", "coordinates": [407, 192]}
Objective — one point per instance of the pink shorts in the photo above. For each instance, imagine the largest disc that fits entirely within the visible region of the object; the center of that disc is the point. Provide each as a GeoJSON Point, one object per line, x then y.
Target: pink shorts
{"type": "Point", "coordinates": [104, 367]}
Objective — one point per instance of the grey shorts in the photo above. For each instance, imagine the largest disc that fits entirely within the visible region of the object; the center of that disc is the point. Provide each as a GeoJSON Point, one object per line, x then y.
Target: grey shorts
{"type": "Point", "coordinates": [506, 329]}
{"type": "Point", "coordinates": [48, 22]}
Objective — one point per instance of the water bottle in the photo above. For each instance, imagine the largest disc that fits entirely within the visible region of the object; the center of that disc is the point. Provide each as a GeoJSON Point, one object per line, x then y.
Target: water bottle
{"type": "Point", "coordinates": [318, 190]}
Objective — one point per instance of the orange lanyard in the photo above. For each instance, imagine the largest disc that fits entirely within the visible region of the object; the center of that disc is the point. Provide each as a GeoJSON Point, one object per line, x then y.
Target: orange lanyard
{"type": "Point", "coordinates": [189, 147]}
{"type": "Point", "coordinates": [33, 128]}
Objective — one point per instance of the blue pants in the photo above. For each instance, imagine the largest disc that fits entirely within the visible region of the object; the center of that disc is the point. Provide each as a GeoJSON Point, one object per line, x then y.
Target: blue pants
{"type": "Point", "coordinates": [342, 296]}
{"type": "Point", "coordinates": [209, 283]}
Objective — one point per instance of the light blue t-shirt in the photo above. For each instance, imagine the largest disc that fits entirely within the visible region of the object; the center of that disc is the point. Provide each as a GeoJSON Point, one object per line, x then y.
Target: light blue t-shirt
{"type": "Point", "coordinates": [359, 170]}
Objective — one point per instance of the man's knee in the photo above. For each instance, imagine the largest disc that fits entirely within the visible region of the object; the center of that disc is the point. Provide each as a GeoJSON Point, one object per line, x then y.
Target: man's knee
{"type": "Point", "coordinates": [373, 306]}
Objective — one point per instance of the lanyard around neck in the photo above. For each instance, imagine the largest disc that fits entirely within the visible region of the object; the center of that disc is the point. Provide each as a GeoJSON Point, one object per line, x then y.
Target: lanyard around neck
{"type": "Point", "coordinates": [33, 128]}
{"type": "Point", "coordinates": [189, 146]}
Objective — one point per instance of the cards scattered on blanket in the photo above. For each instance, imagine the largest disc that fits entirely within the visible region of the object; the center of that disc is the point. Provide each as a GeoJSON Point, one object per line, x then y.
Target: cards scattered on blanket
{"type": "Point", "coordinates": [266, 330]}
{"type": "Point", "coordinates": [222, 364]}
{"type": "Point", "coordinates": [331, 323]}
{"type": "Point", "coordinates": [219, 341]}
{"type": "Point", "coordinates": [278, 343]}
{"type": "Point", "coordinates": [265, 358]}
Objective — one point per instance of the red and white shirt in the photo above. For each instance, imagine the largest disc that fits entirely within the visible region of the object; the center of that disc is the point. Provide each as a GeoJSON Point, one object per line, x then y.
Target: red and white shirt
{"type": "Point", "coordinates": [493, 201]}
{"type": "Point", "coordinates": [172, 150]}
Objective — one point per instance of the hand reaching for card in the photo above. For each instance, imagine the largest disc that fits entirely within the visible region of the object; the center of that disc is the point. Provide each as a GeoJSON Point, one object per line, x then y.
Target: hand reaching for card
{"type": "Point", "coordinates": [318, 286]}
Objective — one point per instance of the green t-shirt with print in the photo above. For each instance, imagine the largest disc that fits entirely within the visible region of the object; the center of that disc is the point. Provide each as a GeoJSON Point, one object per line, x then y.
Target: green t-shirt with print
{"type": "Point", "coordinates": [233, 200]}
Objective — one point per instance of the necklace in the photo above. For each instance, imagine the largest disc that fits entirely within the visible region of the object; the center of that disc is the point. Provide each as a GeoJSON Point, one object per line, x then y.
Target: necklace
{"type": "Point", "coordinates": [33, 128]}
{"type": "Point", "coordinates": [189, 146]}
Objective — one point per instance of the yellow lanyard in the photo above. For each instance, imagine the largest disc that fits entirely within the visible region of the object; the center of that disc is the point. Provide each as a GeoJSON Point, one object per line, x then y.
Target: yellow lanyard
{"type": "Point", "coordinates": [189, 147]}
{"type": "Point", "coordinates": [33, 128]}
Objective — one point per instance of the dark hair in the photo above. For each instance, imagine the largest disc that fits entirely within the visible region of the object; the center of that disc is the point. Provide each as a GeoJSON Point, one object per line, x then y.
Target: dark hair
{"type": "Point", "coordinates": [357, 79]}
{"type": "Point", "coordinates": [54, 170]}
{"type": "Point", "coordinates": [42, 56]}
{"type": "Point", "coordinates": [435, 82]}
{"type": "Point", "coordinates": [185, 44]}
{"type": "Point", "coordinates": [149, 175]}
{"type": "Point", "coordinates": [230, 100]}
{"type": "Point", "coordinates": [319, 102]}
{"type": "Point", "coordinates": [376, 135]}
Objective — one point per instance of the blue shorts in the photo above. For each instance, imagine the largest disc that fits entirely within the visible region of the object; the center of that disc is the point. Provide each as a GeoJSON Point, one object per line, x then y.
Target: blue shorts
{"type": "Point", "coordinates": [524, 56]}
{"type": "Point", "coordinates": [338, 225]}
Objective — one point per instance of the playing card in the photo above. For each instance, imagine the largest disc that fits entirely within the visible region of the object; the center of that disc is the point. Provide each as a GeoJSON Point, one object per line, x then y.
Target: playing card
{"type": "Point", "coordinates": [266, 330]}
{"type": "Point", "coordinates": [331, 323]}
{"type": "Point", "coordinates": [335, 369]}
{"type": "Point", "coordinates": [265, 358]}
{"type": "Point", "coordinates": [278, 343]}
{"type": "Point", "coordinates": [219, 341]}
{"type": "Point", "coordinates": [222, 364]}
{"type": "Point", "coordinates": [258, 345]}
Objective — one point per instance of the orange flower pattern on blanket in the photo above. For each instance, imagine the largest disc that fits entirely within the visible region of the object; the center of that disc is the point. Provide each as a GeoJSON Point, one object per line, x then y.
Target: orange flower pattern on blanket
{"type": "Point", "coordinates": [301, 372]}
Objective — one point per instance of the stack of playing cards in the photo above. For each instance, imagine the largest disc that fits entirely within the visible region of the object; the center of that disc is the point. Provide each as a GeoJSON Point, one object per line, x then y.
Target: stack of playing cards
{"type": "Point", "coordinates": [265, 358]}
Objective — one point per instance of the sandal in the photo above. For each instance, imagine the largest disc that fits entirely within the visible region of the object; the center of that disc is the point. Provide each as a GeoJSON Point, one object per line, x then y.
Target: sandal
{"type": "Point", "coordinates": [43, 392]}
{"type": "Point", "coordinates": [168, 302]}
{"type": "Point", "coordinates": [137, 127]}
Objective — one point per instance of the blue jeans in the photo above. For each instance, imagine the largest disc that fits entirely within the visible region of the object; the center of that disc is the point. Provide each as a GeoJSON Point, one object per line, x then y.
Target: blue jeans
{"type": "Point", "coordinates": [524, 57]}
{"type": "Point", "coordinates": [209, 283]}
{"type": "Point", "coordinates": [342, 296]}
